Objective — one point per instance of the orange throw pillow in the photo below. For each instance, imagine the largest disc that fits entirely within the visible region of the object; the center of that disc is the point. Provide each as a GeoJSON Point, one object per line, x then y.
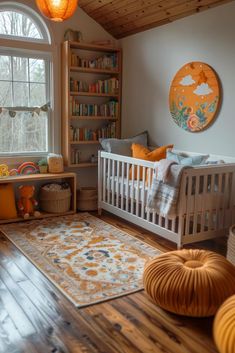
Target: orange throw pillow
{"type": "Point", "coordinates": [7, 202]}
{"type": "Point", "coordinates": [141, 152]}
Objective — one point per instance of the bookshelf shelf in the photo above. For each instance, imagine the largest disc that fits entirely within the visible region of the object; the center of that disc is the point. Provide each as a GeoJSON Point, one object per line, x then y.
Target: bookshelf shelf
{"type": "Point", "coordinates": [93, 47]}
{"type": "Point", "coordinates": [98, 117]}
{"type": "Point", "coordinates": [93, 71]}
{"type": "Point", "coordinates": [86, 114]}
{"type": "Point", "coordinates": [84, 142]}
{"type": "Point", "coordinates": [93, 94]}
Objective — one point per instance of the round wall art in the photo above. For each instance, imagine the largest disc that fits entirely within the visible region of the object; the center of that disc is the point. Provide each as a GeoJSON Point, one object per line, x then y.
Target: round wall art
{"type": "Point", "coordinates": [194, 96]}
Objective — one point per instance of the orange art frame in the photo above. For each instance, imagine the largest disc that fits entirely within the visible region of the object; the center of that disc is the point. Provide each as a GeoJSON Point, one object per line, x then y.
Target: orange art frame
{"type": "Point", "coordinates": [194, 96]}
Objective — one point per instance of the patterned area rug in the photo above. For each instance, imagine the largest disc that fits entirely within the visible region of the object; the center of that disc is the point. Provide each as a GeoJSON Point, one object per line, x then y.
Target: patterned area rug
{"type": "Point", "coordinates": [89, 260]}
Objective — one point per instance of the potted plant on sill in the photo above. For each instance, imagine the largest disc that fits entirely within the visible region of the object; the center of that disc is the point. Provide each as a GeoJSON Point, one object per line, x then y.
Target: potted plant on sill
{"type": "Point", "coordinates": [43, 166]}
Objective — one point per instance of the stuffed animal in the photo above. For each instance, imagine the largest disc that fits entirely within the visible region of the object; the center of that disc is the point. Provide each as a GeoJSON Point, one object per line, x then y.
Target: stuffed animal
{"type": "Point", "coordinates": [27, 203]}
{"type": "Point", "coordinates": [4, 171]}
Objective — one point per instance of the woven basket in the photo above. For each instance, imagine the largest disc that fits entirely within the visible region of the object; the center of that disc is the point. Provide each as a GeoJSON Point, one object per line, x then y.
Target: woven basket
{"type": "Point", "coordinates": [87, 199]}
{"type": "Point", "coordinates": [55, 201]}
{"type": "Point", "coordinates": [231, 245]}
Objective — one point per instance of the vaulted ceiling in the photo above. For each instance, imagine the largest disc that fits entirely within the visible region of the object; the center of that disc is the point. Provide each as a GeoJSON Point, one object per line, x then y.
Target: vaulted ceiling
{"type": "Point", "coordinates": [122, 18]}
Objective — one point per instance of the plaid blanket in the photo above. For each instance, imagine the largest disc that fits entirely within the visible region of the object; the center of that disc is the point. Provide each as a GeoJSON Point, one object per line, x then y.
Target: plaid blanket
{"type": "Point", "coordinates": [164, 192]}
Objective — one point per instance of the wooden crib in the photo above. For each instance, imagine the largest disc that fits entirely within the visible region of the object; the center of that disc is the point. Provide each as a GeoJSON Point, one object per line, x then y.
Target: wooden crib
{"type": "Point", "coordinates": [206, 207]}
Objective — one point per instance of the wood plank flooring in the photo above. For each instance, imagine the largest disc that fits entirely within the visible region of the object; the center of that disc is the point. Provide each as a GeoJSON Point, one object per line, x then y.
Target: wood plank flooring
{"type": "Point", "coordinates": [36, 318]}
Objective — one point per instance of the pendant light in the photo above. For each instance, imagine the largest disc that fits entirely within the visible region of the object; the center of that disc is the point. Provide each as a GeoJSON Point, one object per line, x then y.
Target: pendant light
{"type": "Point", "coordinates": [57, 10]}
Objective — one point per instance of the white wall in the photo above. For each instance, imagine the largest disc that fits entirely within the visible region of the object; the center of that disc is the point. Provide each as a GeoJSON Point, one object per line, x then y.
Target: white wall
{"type": "Point", "coordinates": [152, 58]}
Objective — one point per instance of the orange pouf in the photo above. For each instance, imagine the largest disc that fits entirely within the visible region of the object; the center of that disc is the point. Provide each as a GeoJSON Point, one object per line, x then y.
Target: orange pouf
{"type": "Point", "coordinates": [224, 326]}
{"type": "Point", "coordinates": [190, 282]}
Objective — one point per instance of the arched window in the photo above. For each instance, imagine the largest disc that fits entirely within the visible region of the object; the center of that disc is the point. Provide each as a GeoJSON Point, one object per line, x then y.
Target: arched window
{"type": "Point", "coordinates": [17, 21]}
{"type": "Point", "coordinates": [25, 75]}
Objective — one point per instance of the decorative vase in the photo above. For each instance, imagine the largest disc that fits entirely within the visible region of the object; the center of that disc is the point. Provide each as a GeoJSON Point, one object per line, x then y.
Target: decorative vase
{"type": "Point", "coordinates": [43, 169]}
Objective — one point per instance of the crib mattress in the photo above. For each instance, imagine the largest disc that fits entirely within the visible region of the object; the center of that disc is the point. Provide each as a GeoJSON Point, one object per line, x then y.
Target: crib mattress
{"type": "Point", "coordinates": [130, 189]}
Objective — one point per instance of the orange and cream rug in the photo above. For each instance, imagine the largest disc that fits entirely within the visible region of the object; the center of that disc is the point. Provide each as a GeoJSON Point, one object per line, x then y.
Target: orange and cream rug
{"type": "Point", "coordinates": [89, 260]}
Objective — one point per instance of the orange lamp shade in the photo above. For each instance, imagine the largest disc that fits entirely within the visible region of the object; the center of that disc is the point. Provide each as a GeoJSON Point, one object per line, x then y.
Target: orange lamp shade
{"type": "Point", "coordinates": [57, 10]}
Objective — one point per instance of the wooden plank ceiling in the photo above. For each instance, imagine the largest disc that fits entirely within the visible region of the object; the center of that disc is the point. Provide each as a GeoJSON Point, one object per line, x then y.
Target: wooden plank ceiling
{"type": "Point", "coordinates": [122, 18]}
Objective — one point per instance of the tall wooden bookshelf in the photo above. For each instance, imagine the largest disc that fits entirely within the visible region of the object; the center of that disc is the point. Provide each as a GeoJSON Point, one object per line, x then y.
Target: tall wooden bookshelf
{"type": "Point", "coordinates": [89, 75]}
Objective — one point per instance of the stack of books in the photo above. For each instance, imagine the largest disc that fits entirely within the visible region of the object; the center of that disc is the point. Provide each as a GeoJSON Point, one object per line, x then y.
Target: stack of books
{"type": "Point", "coordinates": [87, 134]}
{"type": "Point", "coordinates": [109, 86]}
{"type": "Point", "coordinates": [106, 62]}
{"type": "Point", "coordinates": [82, 109]}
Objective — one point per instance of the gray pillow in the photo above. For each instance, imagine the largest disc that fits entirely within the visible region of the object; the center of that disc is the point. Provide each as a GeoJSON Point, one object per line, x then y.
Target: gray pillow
{"type": "Point", "coordinates": [123, 146]}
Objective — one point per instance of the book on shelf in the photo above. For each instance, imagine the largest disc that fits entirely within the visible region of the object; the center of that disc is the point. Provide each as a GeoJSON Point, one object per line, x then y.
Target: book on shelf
{"type": "Point", "coordinates": [88, 134]}
{"type": "Point", "coordinates": [81, 109]}
{"type": "Point", "coordinates": [109, 86]}
{"type": "Point", "coordinates": [105, 62]}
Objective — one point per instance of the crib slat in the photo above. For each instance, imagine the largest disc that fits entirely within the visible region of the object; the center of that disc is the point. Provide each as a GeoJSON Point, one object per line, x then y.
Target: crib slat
{"type": "Point", "coordinates": [132, 188]}
{"type": "Point", "coordinates": [138, 191]}
{"type": "Point", "coordinates": [113, 180]}
{"type": "Point", "coordinates": [122, 186]}
{"type": "Point", "coordinates": [195, 216]}
{"type": "Point", "coordinates": [204, 194]}
{"type": "Point", "coordinates": [149, 182]}
{"type": "Point", "coordinates": [117, 184]}
{"type": "Point", "coordinates": [173, 223]}
{"type": "Point", "coordinates": [154, 218]}
{"type": "Point", "coordinates": [108, 181]}
{"type": "Point", "coordinates": [143, 193]}
{"type": "Point", "coordinates": [217, 202]}
{"type": "Point", "coordinates": [226, 189]}
{"type": "Point", "coordinates": [212, 203]}
{"type": "Point", "coordinates": [182, 209]}
{"type": "Point", "coordinates": [189, 198]}
{"type": "Point", "coordinates": [127, 186]}
{"type": "Point", "coordinates": [104, 179]}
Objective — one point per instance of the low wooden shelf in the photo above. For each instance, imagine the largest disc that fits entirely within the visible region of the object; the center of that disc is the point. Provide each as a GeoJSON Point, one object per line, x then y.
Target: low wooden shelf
{"type": "Point", "coordinates": [70, 178]}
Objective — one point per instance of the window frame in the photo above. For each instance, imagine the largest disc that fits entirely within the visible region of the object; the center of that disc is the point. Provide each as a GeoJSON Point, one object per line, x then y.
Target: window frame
{"type": "Point", "coordinates": [36, 18]}
{"type": "Point", "coordinates": [38, 48]}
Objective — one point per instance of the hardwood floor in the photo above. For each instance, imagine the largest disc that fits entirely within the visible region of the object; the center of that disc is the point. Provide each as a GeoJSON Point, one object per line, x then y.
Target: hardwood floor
{"type": "Point", "coordinates": [36, 318]}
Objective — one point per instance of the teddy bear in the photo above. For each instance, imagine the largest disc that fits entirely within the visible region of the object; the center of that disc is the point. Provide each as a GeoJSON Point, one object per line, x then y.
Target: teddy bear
{"type": "Point", "coordinates": [26, 203]}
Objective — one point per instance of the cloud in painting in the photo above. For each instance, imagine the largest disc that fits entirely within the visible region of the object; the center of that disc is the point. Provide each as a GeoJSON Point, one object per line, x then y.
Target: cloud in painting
{"type": "Point", "coordinates": [203, 90]}
{"type": "Point", "coordinates": [187, 81]}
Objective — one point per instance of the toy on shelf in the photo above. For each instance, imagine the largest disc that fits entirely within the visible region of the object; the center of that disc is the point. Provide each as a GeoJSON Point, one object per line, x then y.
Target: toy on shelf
{"type": "Point", "coordinates": [13, 172]}
{"type": "Point", "coordinates": [4, 171]}
{"type": "Point", "coordinates": [43, 166]}
{"type": "Point", "coordinates": [28, 168]}
{"type": "Point", "coordinates": [55, 163]}
{"type": "Point", "coordinates": [25, 168]}
{"type": "Point", "coordinates": [27, 203]}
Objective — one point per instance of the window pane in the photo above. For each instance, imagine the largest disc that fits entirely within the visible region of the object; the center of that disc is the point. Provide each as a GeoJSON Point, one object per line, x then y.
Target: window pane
{"type": "Point", "coordinates": [37, 70]}
{"type": "Point", "coordinates": [5, 65]}
{"type": "Point", "coordinates": [20, 69]}
{"type": "Point", "coordinates": [37, 94]}
{"type": "Point", "coordinates": [5, 94]}
{"type": "Point", "coordinates": [23, 133]}
{"type": "Point", "coordinates": [21, 94]}
{"type": "Point", "coordinates": [17, 24]}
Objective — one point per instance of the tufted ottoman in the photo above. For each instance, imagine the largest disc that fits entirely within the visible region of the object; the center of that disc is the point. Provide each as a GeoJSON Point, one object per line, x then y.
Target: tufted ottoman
{"type": "Point", "coordinates": [224, 326]}
{"type": "Point", "coordinates": [189, 282]}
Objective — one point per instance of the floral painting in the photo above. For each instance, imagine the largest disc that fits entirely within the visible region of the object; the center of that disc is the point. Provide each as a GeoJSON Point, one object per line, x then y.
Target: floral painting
{"type": "Point", "coordinates": [194, 96]}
